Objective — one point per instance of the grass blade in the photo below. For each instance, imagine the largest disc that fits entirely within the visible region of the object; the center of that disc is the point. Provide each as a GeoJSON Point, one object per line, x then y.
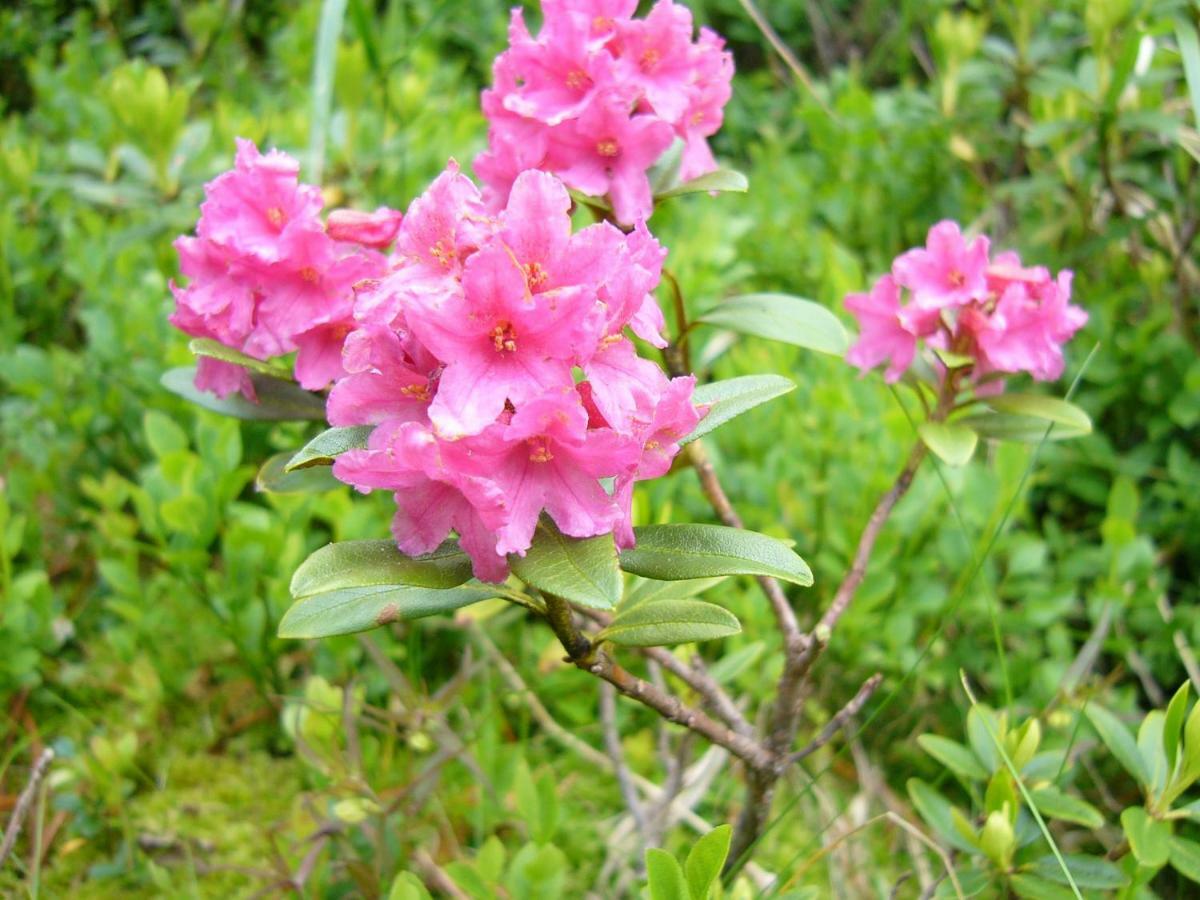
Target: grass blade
{"type": "Point", "coordinates": [329, 31]}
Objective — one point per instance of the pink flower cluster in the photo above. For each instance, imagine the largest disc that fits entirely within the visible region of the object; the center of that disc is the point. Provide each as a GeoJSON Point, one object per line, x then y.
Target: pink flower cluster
{"type": "Point", "coordinates": [1002, 315]}
{"type": "Point", "coordinates": [267, 278]}
{"type": "Point", "coordinates": [493, 363]}
{"type": "Point", "coordinates": [598, 97]}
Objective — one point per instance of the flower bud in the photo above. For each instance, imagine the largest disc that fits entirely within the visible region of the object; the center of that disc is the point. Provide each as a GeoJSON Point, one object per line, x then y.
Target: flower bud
{"type": "Point", "coordinates": [371, 229]}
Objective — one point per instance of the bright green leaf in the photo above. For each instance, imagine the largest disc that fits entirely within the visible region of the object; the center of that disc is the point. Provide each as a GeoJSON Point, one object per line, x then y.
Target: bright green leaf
{"type": "Point", "coordinates": [1025, 417]}
{"type": "Point", "coordinates": [937, 813]}
{"type": "Point", "coordinates": [953, 755]}
{"type": "Point", "coordinates": [1149, 838]}
{"type": "Point", "coordinates": [1118, 740]}
{"type": "Point", "coordinates": [665, 877]}
{"type": "Point", "coordinates": [670, 622]}
{"type": "Point", "coordinates": [329, 444]}
{"type": "Point", "coordinates": [781, 317]}
{"type": "Point", "coordinates": [1150, 748]}
{"type": "Point", "coordinates": [953, 442]}
{"type": "Point", "coordinates": [1185, 858]}
{"type": "Point", "coordinates": [1032, 887]}
{"type": "Point", "coordinates": [645, 590]}
{"type": "Point", "coordinates": [216, 350]}
{"type": "Point", "coordinates": [584, 571]}
{"type": "Point", "coordinates": [1173, 724]}
{"type": "Point", "coordinates": [1055, 804]}
{"type": "Point", "coordinates": [734, 396]}
{"type": "Point", "coordinates": [678, 552]}
{"type": "Point", "coordinates": [704, 862]}
{"type": "Point", "coordinates": [982, 722]}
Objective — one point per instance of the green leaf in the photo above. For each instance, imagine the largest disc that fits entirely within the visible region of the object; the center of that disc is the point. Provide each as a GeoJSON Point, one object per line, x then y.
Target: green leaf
{"type": "Point", "coordinates": [781, 317]}
{"type": "Point", "coordinates": [216, 350]}
{"type": "Point", "coordinates": [936, 811]}
{"type": "Point", "coordinates": [582, 571]}
{"type": "Point", "coordinates": [665, 878]}
{"type": "Point", "coordinates": [329, 444]}
{"type": "Point", "coordinates": [1149, 838]}
{"type": "Point", "coordinates": [1034, 888]}
{"type": "Point", "coordinates": [408, 886]}
{"type": "Point", "coordinates": [1055, 804]}
{"type": "Point", "coordinates": [980, 719]}
{"type": "Point", "coordinates": [678, 552]}
{"type": "Point", "coordinates": [329, 30]}
{"type": "Point", "coordinates": [1088, 871]}
{"type": "Point", "coordinates": [278, 400]}
{"type": "Point", "coordinates": [357, 564]}
{"type": "Point", "coordinates": [349, 610]}
{"type": "Point", "coordinates": [1189, 50]}
{"type": "Point", "coordinates": [1173, 724]}
{"type": "Point", "coordinates": [953, 442]}
{"type": "Point", "coordinates": [704, 862]}
{"type": "Point", "coordinates": [670, 622]}
{"type": "Point", "coordinates": [272, 478]}
{"type": "Point", "coordinates": [1025, 417]}
{"type": "Point", "coordinates": [722, 180]}
{"type": "Point", "coordinates": [1150, 748]}
{"type": "Point", "coordinates": [734, 396]}
{"type": "Point", "coordinates": [1185, 858]}
{"type": "Point", "coordinates": [645, 590]}
{"type": "Point", "coordinates": [1191, 744]}
{"type": "Point", "coordinates": [1118, 740]}
{"type": "Point", "coordinates": [953, 755]}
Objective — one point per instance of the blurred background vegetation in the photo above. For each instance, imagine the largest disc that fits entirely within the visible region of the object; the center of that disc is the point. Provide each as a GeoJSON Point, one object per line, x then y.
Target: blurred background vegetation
{"type": "Point", "coordinates": [142, 576]}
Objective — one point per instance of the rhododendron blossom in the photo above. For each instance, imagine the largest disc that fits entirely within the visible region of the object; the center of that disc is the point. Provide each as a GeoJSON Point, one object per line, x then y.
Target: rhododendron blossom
{"type": "Point", "coordinates": [492, 360]}
{"type": "Point", "coordinates": [1002, 316]}
{"type": "Point", "coordinates": [266, 277]}
{"type": "Point", "coordinates": [598, 96]}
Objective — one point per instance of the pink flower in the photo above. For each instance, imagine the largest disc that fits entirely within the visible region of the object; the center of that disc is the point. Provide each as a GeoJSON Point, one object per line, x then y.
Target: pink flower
{"type": "Point", "coordinates": [250, 208]}
{"type": "Point", "coordinates": [883, 337]}
{"type": "Point", "coordinates": [710, 89]}
{"type": "Point", "coordinates": [656, 58]}
{"type": "Point", "coordinates": [1026, 330]}
{"type": "Point", "coordinates": [370, 229]}
{"type": "Point", "coordinates": [607, 151]}
{"type": "Point", "coordinates": [551, 460]}
{"type": "Point", "coordinates": [499, 341]}
{"type": "Point", "coordinates": [947, 271]}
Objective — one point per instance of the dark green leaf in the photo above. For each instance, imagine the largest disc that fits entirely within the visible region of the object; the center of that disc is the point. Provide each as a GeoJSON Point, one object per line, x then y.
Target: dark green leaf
{"type": "Point", "coordinates": [678, 552]}
{"type": "Point", "coordinates": [357, 564]}
{"type": "Point", "coordinates": [953, 755]}
{"type": "Point", "coordinates": [953, 442]}
{"type": "Point", "coordinates": [272, 479]}
{"type": "Point", "coordinates": [734, 396]}
{"type": "Point", "coordinates": [1025, 417]}
{"type": "Point", "coordinates": [722, 180]}
{"type": "Point", "coordinates": [1034, 888]}
{"type": "Point", "coordinates": [781, 317]}
{"type": "Point", "coordinates": [582, 571]}
{"type": "Point", "coordinates": [359, 609]}
{"type": "Point", "coordinates": [1088, 871]}
{"type": "Point", "coordinates": [278, 400]}
{"type": "Point", "coordinates": [670, 622]}
{"type": "Point", "coordinates": [1173, 724]}
{"type": "Point", "coordinates": [645, 590]}
{"type": "Point", "coordinates": [329, 444]}
{"type": "Point", "coordinates": [705, 860]}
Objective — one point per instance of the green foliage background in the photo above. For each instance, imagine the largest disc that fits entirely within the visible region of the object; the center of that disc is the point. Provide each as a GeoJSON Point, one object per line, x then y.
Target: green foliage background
{"type": "Point", "coordinates": [142, 577]}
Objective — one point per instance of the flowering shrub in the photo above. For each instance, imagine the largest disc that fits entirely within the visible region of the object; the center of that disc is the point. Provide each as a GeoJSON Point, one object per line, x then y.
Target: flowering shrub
{"type": "Point", "coordinates": [483, 369]}
{"type": "Point", "coordinates": [598, 96]}
{"type": "Point", "coordinates": [991, 314]}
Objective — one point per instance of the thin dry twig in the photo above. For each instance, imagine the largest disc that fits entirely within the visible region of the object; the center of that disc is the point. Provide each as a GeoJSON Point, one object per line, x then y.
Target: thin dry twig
{"type": "Point", "coordinates": [785, 53]}
{"type": "Point", "coordinates": [40, 768]}
{"type": "Point", "coordinates": [839, 720]}
{"type": "Point", "coordinates": [612, 744]}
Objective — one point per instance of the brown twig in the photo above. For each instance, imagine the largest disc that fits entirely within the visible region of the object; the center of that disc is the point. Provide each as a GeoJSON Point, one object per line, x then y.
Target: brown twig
{"type": "Point", "coordinates": [21, 810]}
{"type": "Point", "coordinates": [785, 54]}
{"type": "Point", "coordinates": [595, 661]}
{"type": "Point", "coordinates": [838, 722]}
